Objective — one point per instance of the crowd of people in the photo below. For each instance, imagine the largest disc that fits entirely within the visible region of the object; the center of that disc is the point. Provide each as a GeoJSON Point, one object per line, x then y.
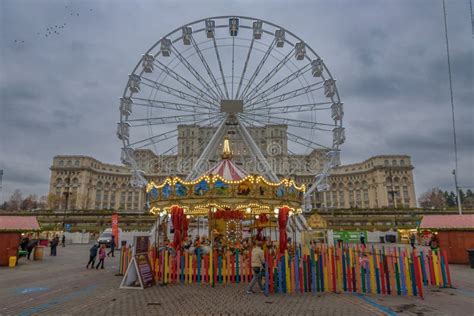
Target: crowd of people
{"type": "Point", "coordinates": [29, 244]}
{"type": "Point", "coordinates": [244, 246]}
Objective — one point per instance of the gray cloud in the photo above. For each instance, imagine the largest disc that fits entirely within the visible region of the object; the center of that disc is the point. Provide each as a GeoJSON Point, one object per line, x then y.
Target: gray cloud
{"type": "Point", "coordinates": [59, 95]}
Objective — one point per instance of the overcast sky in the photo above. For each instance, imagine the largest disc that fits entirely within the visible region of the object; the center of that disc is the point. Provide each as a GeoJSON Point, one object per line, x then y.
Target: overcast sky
{"type": "Point", "coordinates": [59, 94]}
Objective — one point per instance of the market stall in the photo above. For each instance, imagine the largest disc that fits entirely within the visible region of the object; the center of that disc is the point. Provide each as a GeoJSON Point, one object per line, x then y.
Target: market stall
{"type": "Point", "coordinates": [11, 228]}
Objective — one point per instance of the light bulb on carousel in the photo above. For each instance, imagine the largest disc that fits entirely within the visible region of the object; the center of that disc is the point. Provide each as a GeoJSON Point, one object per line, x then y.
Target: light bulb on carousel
{"type": "Point", "coordinates": [248, 210]}
{"type": "Point", "coordinates": [276, 210]}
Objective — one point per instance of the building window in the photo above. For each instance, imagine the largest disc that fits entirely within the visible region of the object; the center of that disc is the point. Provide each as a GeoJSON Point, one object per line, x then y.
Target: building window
{"type": "Point", "coordinates": [76, 163]}
{"type": "Point", "coordinates": [334, 199]}
{"type": "Point", "coordinates": [386, 163]}
{"type": "Point", "coordinates": [112, 200]}
{"type": "Point", "coordinates": [61, 163]}
{"type": "Point", "coordinates": [402, 162]}
{"type": "Point", "coordinates": [394, 162]}
{"type": "Point", "coordinates": [98, 199]}
{"type": "Point", "coordinates": [122, 199]}
{"type": "Point", "coordinates": [129, 200]}
{"type": "Point", "coordinates": [366, 197]}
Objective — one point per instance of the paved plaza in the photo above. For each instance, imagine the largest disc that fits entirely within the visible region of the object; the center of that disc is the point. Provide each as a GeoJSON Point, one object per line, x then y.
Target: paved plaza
{"type": "Point", "coordinates": [63, 286]}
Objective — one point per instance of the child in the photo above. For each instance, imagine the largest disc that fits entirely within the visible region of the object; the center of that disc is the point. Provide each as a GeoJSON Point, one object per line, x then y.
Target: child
{"type": "Point", "coordinates": [92, 255]}
{"type": "Point", "coordinates": [102, 254]}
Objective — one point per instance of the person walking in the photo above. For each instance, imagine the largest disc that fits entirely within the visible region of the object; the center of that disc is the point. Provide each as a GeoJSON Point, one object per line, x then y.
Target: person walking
{"type": "Point", "coordinates": [54, 246]}
{"type": "Point", "coordinates": [258, 259]}
{"type": "Point", "coordinates": [362, 239]}
{"type": "Point", "coordinates": [31, 245]}
{"type": "Point", "coordinates": [112, 246]}
{"type": "Point", "coordinates": [102, 256]}
{"type": "Point", "coordinates": [412, 241]}
{"type": "Point", "coordinates": [92, 256]}
{"type": "Point", "coordinates": [63, 241]}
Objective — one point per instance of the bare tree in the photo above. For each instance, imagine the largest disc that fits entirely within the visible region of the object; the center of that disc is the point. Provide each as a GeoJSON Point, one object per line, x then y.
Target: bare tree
{"type": "Point", "coordinates": [15, 200]}
{"type": "Point", "coordinates": [29, 203]}
{"type": "Point", "coordinates": [433, 198]}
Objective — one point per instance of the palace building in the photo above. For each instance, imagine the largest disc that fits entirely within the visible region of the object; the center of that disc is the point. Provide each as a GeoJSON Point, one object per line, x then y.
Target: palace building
{"type": "Point", "coordinates": [378, 182]}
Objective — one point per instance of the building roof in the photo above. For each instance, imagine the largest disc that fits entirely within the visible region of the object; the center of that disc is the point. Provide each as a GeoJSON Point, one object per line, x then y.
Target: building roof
{"type": "Point", "coordinates": [448, 222]}
{"type": "Point", "coordinates": [18, 223]}
{"type": "Point", "coordinates": [227, 170]}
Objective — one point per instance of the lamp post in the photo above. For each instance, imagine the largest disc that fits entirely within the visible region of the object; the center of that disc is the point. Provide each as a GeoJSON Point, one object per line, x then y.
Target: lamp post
{"type": "Point", "coordinates": [66, 195]}
{"type": "Point", "coordinates": [457, 191]}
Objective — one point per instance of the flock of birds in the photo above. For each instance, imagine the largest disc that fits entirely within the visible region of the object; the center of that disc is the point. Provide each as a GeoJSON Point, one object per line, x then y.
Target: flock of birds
{"type": "Point", "coordinates": [53, 30]}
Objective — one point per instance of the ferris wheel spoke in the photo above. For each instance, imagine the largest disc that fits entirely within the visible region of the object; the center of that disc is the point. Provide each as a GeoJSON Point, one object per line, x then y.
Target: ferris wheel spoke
{"type": "Point", "coordinates": [170, 72]}
{"type": "Point", "coordinates": [286, 96]}
{"type": "Point", "coordinates": [290, 122]}
{"type": "Point", "coordinates": [305, 142]}
{"type": "Point", "coordinates": [206, 66]}
{"type": "Point", "coordinates": [195, 73]}
{"type": "Point", "coordinates": [233, 48]}
{"type": "Point", "coordinates": [174, 92]}
{"type": "Point", "coordinates": [220, 66]}
{"type": "Point", "coordinates": [170, 105]}
{"type": "Point", "coordinates": [189, 118]}
{"type": "Point", "coordinates": [269, 76]}
{"type": "Point", "coordinates": [259, 67]}
{"type": "Point", "coordinates": [170, 150]}
{"type": "Point", "coordinates": [296, 108]}
{"type": "Point", "coordinates": [277, 86]}
{"type": "Point", "coordinates": [245, 67]}
{"type": "Point", "coordinates": [249, 122]}
{"type": "Point", "coordinates": [154, 139]}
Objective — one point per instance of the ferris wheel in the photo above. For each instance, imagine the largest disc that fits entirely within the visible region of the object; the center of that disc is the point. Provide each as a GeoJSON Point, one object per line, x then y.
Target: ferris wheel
{"type": "Point", "coordinates": [231, 72]}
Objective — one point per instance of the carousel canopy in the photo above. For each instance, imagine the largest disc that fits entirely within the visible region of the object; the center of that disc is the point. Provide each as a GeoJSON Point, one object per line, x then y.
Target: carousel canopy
{"type": "Point", "coordinates": [227, 170]}
{"type": "Point", "coordinates": [227, 187]}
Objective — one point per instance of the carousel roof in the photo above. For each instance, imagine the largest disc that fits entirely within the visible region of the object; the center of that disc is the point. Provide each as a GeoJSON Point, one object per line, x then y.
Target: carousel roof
{"type": "Point", "coordinates": [227, 170]}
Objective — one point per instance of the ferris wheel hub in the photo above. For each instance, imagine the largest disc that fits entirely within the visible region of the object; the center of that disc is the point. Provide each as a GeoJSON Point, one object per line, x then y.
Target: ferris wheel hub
{"type": "Point", "coordinates": [232, 106]}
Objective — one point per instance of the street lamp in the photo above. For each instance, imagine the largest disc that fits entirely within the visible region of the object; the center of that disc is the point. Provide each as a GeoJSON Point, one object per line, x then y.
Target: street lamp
{"type": "Point", "coordinates": [66, 195]}
{"type": "Point", "coordinates": [457, 191]}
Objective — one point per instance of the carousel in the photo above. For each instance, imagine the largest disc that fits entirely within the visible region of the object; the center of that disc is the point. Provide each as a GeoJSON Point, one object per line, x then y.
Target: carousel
{"type": "Point", "coordinates": [232, 200]}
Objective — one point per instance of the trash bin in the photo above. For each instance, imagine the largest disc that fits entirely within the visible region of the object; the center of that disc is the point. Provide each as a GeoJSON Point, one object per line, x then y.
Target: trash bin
{"type": "Point", "coordinates": [471, 257]}
{"type": "Point", "coordinates": [39, 250]}
{"type": "Point", "coordinates": [12, 262]}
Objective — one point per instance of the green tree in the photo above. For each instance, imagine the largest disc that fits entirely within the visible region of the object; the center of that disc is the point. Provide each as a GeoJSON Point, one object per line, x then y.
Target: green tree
{"type": "Point", "coordinates": [452, 201]}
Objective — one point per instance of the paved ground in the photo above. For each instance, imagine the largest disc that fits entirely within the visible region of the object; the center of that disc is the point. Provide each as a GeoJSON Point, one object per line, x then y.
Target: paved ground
{"type": "Point", "coordinates": [63, 286]}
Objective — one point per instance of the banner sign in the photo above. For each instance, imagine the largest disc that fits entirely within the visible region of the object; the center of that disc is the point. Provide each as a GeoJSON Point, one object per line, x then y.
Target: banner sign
{"type": "Point", "coordinates": [115, 231]}
{"type": "Point", "coordinates": [349, 236]}
{"type": "Point", "coordinates": [142, 245]}
{"type": "Point", "coordinates": [144, 269]}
